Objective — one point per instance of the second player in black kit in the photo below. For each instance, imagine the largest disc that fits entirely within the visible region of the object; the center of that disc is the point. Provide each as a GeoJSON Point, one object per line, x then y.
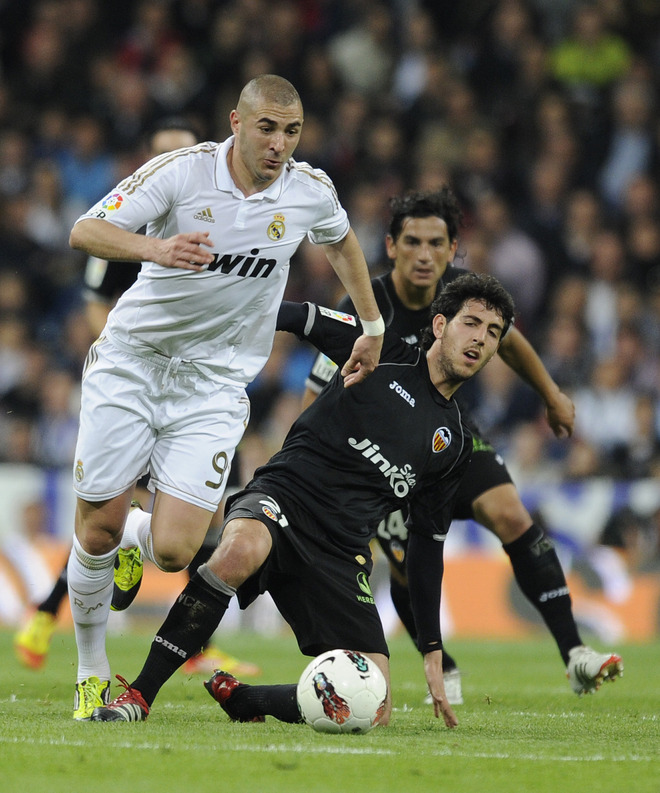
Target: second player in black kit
{"type": "Point", "coordinates": [421, 245]}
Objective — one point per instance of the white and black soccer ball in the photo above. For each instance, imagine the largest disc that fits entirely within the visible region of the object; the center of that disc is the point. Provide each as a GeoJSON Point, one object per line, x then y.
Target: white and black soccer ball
{"type": "Point", "coordinates": [342, 691]}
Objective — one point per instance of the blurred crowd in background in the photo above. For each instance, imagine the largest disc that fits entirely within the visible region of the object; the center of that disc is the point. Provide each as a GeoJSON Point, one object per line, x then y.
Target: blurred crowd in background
{"type": "Point", "coordinates": [543, 115]}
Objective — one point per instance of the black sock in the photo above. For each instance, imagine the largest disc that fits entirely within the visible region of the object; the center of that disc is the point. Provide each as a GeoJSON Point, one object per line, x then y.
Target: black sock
{"type": "Point", "coordinates": [201, 557]}
{"type": "Point", "coordinates": [401, 601]}
{"type": "Point", "coordinates": [540, 576]}
{"type": "Point", "coordinates": [190, 623]}
{"type": "Point", "coordinates": [57, 594]}
{"type": "Point", "coordinates": [248, 701]}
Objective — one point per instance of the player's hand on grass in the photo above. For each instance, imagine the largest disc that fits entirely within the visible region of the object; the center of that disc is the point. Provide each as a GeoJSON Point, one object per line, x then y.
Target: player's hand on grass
{"type": "Point", "coordinates": [364, 359]}
{"type": "Point", "coordinates": [436, 684]}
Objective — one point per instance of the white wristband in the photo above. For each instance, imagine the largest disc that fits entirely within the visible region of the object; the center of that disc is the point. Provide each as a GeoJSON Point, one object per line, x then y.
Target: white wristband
{"type": "Point", "coordinates": [373, 327]}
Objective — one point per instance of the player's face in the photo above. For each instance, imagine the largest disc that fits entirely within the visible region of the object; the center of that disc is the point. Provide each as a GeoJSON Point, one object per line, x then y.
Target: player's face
{"type": "Point", "coordinates": [467, 343]}
{"type": "Point", "coordinates": [422, 251]}
{"type": "Point", "coordinates": [266, 136]}
{"type": "Point", "coordinates": [171, 139]}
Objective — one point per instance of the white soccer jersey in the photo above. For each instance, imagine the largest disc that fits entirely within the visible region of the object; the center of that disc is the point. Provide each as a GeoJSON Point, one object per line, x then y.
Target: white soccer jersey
{"type": "Point", "coordinates": [223, 318]}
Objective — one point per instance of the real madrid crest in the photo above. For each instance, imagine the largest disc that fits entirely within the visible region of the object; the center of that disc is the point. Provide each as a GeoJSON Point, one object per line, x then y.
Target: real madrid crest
{"type": "Point", "coordinates": [277, 228]}
{"type": "Point", "coordinates": [79, 472]}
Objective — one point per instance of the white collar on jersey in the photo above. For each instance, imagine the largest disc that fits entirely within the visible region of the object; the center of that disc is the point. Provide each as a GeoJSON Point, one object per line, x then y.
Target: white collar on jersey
{"type": "Point", "coordinates": [224, 182]}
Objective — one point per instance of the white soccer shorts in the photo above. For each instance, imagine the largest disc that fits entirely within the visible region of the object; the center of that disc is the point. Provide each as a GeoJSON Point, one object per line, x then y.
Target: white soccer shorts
{"type": "Point", "coordinates": [154, 414]}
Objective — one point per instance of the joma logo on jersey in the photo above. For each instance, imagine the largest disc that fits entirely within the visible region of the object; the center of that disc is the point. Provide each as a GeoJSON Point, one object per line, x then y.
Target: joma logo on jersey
{"type": "Point", "coordinates": [245, 266]}
{"type": "Point", "coordinates": [402, 393]}
{"type": "Point", "coordinates": [401, 480]}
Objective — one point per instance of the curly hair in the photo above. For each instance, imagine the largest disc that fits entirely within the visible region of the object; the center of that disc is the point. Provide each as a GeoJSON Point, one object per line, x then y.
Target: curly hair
{"type": "Point", "coordinates": [471, 286]}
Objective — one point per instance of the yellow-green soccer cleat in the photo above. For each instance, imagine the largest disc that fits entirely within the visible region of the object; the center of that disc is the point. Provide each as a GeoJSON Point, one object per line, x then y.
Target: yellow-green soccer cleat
{"type": "Point", "coordinates": [32, 642]}
{"type": "Point", "coordinates": [90, 694]}
{"type": "Point", "coordinates": [128, 577]}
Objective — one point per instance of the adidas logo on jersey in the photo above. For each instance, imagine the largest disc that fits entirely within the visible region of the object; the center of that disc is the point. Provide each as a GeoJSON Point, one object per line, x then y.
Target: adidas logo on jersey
{"type": "Point", "coordinates": [205, 215]}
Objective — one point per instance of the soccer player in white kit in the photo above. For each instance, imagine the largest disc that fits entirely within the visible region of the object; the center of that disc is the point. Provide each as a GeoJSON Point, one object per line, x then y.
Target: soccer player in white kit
{"type": "Point", "coordinates": [163, 388]}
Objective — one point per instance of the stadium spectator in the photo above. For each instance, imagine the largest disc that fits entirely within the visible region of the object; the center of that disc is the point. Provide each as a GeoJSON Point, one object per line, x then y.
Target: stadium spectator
{"type": "Point", "coordinates": [513, 257]}
{"type": "Point", "coordinates": [631, 146]}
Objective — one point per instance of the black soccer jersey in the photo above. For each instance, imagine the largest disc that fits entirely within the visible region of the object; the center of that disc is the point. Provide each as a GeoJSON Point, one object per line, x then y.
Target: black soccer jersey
{"type": "Point", "coordinates": [407, 322]}
{"type": "Point", "coordinates": [358, 453]}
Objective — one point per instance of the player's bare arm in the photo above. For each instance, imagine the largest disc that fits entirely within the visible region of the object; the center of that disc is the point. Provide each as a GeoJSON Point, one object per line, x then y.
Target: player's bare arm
{"type": "Point", "coordinates": [185, 251]}
{"type": "Point", "coordinates": [519, 354]}
{"type": "Point", "coordinates": [348, 262]}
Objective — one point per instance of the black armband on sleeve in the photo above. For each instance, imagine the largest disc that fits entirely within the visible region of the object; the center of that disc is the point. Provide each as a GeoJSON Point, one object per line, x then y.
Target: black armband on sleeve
{"type": "Point", "coordinates": [425, 569]}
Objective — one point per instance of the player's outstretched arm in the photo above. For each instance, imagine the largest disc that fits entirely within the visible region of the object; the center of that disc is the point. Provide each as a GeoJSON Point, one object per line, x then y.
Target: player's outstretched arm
{"type": "Point", "coordinates": [519, 354]}
{"type": "Point", "coordinates": [103, 239]}
{"type": "Point", "coordinates": [348, 262]}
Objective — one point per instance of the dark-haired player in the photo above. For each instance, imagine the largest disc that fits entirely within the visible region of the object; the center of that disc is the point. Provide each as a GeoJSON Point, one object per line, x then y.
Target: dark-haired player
{"type": "Point", "coordinates": [301, 528]}
{"type": "Point", "coordinates": [421, 245]}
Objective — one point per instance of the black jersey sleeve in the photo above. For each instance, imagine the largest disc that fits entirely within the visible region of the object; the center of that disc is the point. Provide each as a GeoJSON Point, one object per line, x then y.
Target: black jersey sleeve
{"type": "Point", "coordinates": [332, 332]}
{"type": "Point", "coordinates": [324, 367]}
{"type": "Point", "coordinates": [431, 513]}
{"type": "Point", "coordinates": [425, 570]}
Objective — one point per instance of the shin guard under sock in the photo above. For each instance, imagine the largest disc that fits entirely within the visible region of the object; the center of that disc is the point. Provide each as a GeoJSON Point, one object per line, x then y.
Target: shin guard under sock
{"type": "Point", "coordinates": [539, 574]}
{"type": "Point", "coordinates": [191, 622]}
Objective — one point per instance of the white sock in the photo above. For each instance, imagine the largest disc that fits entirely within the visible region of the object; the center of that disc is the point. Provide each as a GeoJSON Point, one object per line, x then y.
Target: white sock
{"type": "Point", "coordinates": [137, 533]}
{"type": "Point", "coordinates": [90, 581]}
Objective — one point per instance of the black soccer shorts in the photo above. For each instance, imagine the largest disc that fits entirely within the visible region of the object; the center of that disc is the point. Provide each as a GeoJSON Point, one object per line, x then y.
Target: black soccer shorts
{"type": "Point", "coordinates": [321, 590]}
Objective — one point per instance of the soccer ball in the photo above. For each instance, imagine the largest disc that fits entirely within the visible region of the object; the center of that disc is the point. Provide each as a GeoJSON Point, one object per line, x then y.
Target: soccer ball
{"type": "Point", "coordinates": [342, 691]}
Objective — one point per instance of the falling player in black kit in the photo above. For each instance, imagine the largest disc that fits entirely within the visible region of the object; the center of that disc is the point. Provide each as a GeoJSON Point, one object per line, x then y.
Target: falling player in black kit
{"type": "Point", "coordinates": [421, 245]}
{"type": "Point", "coordinates": [301, 528]}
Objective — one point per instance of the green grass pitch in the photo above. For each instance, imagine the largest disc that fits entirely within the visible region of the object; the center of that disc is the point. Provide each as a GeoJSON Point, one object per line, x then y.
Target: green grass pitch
{"type": "Point", "coordinates": [521, 729]}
